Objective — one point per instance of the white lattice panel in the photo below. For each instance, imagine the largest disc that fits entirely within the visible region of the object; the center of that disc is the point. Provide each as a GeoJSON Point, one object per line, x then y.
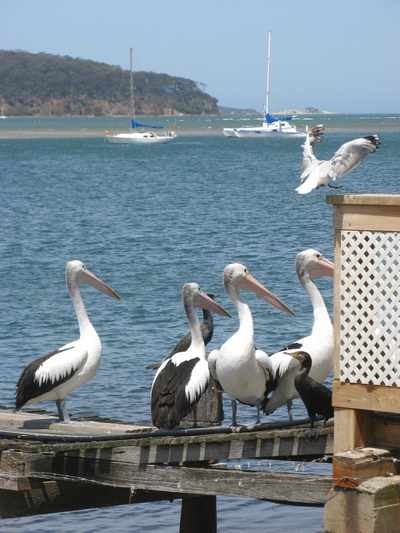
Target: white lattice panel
{"type": "Point", "coordinates": [370, 308]}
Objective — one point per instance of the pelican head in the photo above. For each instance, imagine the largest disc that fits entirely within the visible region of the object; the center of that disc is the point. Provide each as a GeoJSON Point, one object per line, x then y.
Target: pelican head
{"type": "Point", "coordinates": [77, 273]}
{"type": "Point", "coordinates": [238, 275]}
{"type": "Point", "coordinates": [310, 262]}
{"type": "Point", "coordinates": [193, 295]}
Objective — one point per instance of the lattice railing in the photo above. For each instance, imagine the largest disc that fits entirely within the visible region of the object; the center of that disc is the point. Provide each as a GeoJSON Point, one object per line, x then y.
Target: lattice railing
{"type": "Point", "coordinates": [370, 308]}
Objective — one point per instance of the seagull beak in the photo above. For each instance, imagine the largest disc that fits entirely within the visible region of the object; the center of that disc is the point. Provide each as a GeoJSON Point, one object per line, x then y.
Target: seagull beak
{"type": "Point", "coordinates": [250, 283]}
{"type": "Point", "coordinates": [204, 301]}
{"type": "Point", "coordinates": [324, 267]}
{"type": "Point", "coordinates": [97, 283]}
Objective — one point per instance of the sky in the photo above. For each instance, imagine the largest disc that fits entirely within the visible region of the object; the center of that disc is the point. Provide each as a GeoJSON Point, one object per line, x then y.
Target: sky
{"type": "Point", "coordinates": [340, 56]}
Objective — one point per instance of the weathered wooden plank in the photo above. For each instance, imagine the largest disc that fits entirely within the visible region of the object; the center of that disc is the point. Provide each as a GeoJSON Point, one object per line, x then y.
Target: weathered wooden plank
{"type": "Point", "coordinates": [289, 488]}
{"type": "Point", "coordinates": [353, 467]}
{"type": "Point", "coordinates": [366, 397]}
{"type": "Point", "coordinates": [293, 443]}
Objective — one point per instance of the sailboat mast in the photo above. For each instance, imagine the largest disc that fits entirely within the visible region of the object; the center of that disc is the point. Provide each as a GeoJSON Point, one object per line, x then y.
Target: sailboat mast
{"type": "Point", "coordinates": [132, 96]}
{"type": "Point", "coordinates": [267, 98]}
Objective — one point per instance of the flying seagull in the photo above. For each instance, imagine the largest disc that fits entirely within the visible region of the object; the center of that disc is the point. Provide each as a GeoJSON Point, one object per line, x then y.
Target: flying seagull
{"type": "Point", "coordinates": [317, 173]}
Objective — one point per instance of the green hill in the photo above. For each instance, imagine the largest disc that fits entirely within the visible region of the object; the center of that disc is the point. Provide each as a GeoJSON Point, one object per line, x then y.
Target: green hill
{"type": "Point", "coordinates": [43, 84]}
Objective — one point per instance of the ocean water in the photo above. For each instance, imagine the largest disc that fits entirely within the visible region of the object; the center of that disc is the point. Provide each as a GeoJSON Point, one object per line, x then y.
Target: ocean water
{"type": "Point", "coordinates": [148, 219]}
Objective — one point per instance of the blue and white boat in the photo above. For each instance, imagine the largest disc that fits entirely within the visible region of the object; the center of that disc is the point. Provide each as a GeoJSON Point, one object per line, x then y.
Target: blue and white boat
{"type": "Point", "coordinates": [139, 133]}
{"type": "Point", "coordinates": [273, 125]}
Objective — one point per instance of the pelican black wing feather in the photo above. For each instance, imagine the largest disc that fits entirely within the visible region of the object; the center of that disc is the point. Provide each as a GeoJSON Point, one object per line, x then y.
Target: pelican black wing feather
{"type": "Point", "coordinates": [28, 387]}
{"type": "Point", "coordinates": [169, 401]}
{"type": "Point", "coordinates": [316, 397]}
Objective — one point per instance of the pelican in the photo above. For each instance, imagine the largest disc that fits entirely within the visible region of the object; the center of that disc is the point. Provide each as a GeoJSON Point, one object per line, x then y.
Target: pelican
{"type": "Point", "coordinates": [316, 397]}
{"type": "Point", "coordinates": [181, 379]}
{"type": "Point", "coordinates": [207, 330]}
{"type": "Point", "coordinates": [244, 373]}
{"type": "Point", "coordinates": [57, 374]}
{"type": "Point", "coordinates": [317, 173]}
{"type": "Point", "coordinates": [319, 344]}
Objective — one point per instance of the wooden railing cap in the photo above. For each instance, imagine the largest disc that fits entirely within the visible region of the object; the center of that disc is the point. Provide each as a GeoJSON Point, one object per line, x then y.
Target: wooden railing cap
{"type": "Point", "coordinates": [364, 199]}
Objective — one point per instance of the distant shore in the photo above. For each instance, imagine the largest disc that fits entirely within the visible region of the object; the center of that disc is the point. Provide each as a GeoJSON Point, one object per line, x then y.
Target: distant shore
{"type": "Point", "coordinates": [185, 126]}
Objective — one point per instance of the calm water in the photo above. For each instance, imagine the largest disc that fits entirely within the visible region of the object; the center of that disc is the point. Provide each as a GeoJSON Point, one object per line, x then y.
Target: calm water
{"type": "Point", "coordinates": [147, 219]}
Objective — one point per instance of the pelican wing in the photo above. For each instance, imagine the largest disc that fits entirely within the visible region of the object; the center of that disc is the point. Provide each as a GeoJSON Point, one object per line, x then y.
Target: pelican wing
{"type": "Point", "coordinates": [352, 153]}
{"type": "Point", "coordinates": [284, 365]}
{"type": "Point", "coordinates": [47, 372]}
{"type": "Point", "coordinates": [264, 360]}
{"type": "Point", "coordinates": [178, 385]}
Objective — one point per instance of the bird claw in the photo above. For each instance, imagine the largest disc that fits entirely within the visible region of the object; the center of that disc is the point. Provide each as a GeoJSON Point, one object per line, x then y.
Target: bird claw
{"type": "Point", "coordinates": [334, 186]}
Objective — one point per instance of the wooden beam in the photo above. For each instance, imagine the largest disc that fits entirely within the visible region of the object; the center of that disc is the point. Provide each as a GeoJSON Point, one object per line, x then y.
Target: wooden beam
{"type": "Point", "coordinates": [262, 442]}
{"type": "Point", "coordinates": [288, 488]}
{"type": "Point", "coordinates": [366, 397]}
{"type": "Point", "coordinates": [364, 199]}
{"type": "Point", "coordinates": [368, 218]}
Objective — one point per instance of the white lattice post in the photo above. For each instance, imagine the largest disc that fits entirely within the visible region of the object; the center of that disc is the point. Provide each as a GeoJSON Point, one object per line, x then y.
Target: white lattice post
{"type": "Point", "coordinates": [366, 365]}
{"type": "Point", "coordinates": [367, 313]}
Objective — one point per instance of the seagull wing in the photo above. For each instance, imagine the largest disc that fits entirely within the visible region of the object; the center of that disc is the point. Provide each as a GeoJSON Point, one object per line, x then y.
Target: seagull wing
{"type": "Point", "coordinates": [352, 153]}
{"type": "Point", "coordinates": [309, 160]}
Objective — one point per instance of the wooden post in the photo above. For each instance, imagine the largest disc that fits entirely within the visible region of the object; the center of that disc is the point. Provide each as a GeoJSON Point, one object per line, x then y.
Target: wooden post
{"type": "Point", "coordinates": [199, 514]}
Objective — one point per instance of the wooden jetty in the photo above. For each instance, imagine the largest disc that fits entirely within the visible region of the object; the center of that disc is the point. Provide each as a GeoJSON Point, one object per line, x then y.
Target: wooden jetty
{"type": "Point", "coordinates": [44, 465]}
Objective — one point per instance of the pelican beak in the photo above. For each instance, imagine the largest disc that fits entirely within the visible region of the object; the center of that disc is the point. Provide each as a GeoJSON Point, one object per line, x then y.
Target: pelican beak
{"type": "Point", "coordinates": [97, 283]}
{"type": "Point", "coordinates": [204, 301]}
{"type": "Point", "coordinates": [250, 283]}
{"type": "Point", "coordinates": [324, 267]}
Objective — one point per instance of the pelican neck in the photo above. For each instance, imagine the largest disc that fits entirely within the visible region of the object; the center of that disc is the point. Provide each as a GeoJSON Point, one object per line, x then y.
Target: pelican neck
{"type": "Point", "coordinates": [80, 310]}
{"type": "Point", "coordinates": [195, 330]}
{"type": "Point", "coordinates": [320, 312]}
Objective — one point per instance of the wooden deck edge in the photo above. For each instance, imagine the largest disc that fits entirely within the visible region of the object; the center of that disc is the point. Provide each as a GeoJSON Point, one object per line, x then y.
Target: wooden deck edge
{"type": "Point", "coordinates": [296, 489]}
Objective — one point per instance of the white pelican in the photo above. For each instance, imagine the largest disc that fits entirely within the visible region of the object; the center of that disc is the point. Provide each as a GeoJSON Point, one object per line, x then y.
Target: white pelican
{"type": "Point", "coordinates": [317, 173]}
{"type": "Point", "coordinates": [319, 345]}
{"type": "Point", "coordinates": [244, 373]}
{"type": "Point", "coordinates": [57, 374]}
{"type": "Point", "coordinates": [316, 397]}
{"type": "Point", "coordinates": [181, 379]}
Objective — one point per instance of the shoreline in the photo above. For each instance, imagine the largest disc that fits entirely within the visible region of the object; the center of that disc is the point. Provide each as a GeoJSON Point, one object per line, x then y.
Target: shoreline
{"type": "Point", "coordinates": [190, 132]}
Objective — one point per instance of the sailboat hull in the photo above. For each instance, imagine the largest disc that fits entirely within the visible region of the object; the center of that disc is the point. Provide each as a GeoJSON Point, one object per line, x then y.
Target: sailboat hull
{"type": "Point", "coordinates": [268, 131]}
{"type": "Point", "coordinates": [139, 138]}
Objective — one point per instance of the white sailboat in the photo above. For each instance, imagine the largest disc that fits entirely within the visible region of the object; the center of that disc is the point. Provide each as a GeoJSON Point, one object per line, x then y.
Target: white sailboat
{"type": "Point", "coordinates": [272, 125]}
{"type": "Point", "coordinates": [2, 115]}
{"type": "Point", "coordinates": [139, 133]}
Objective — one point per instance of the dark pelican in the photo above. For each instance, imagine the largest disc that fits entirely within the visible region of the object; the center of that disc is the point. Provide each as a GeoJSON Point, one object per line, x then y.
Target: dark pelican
{"type": "Point", "coordinates": [319, 344]}
{"type": "Point", "coordinates": [181, 379]}
{"type": "Point", "coordinates": [57, 374]}
{"type": "Point", "coordinates": [317, 173]}
{"type": "Point", "coordinates": [245, 373]}
{"type": "Point", "coordinates": [207, 330]}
